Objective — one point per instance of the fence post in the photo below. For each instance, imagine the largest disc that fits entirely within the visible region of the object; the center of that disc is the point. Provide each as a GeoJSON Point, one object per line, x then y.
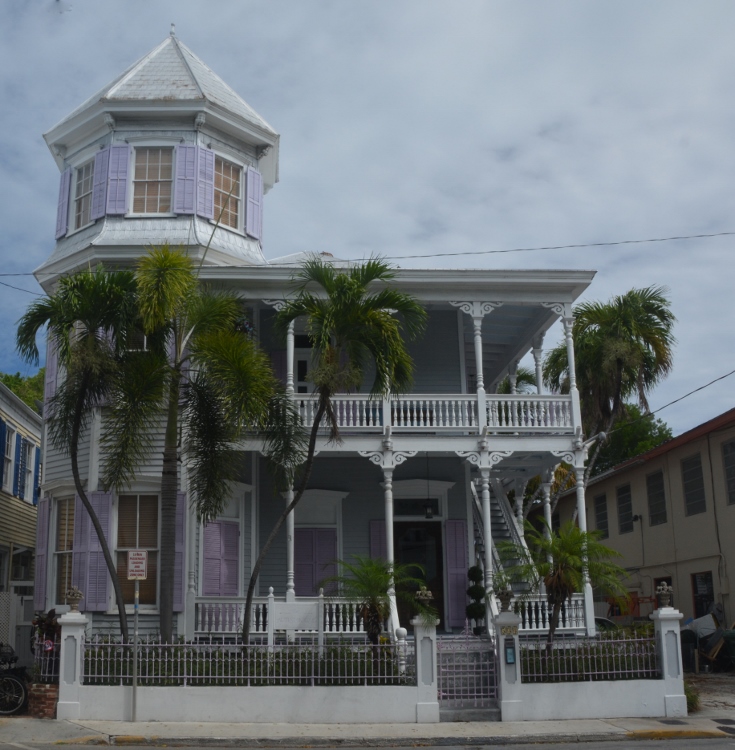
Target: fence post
{"type": "Point", "coordinates": [271, 619]}
{"type": "Point", "coordinates": [668, 645]}
{"type": "Point", "coordinates": [427, 704]}
{"type": "Point", "coordinates": [70, 664]}
{"type": "Point", "coordinates": [510, 698]}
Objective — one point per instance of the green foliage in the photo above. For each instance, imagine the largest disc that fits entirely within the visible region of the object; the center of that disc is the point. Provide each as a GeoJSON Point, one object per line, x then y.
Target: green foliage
{"type": "Point", "coordinates": [692, 695]}
{"type": "Point", "coordinates": [632, 436]}
{"type": "Point", "coordinates": [29, 388]}
{"type": "Point", "coordinates": [525, 382]}
{"type": "Point", "coordinates": [475, 574]}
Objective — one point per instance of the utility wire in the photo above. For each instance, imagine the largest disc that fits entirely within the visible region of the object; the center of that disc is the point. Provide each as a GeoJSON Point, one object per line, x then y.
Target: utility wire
{"type": "Point", "coordinates": [20, 289]}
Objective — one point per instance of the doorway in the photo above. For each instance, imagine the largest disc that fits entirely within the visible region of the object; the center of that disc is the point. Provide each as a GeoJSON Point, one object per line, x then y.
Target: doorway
{"type": "Point", "coordinates": [420, 542]}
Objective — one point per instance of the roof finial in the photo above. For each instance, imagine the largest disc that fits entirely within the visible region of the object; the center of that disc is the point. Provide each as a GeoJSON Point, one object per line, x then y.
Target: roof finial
{"type": "Point", "coordinates": [173, 29]}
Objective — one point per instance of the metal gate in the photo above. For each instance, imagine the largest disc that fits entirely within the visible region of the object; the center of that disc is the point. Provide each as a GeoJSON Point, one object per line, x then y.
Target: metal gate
{"type": "Point", "coordinates": [467, 672]}
{"type": "Point", "coordinates": [16, 614]}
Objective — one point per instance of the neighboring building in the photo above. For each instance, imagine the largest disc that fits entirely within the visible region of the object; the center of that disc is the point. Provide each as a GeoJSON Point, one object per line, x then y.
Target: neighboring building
{"type": "Point", "coordinates": [20, 467]}
{"type": "Point", "coordinates": [671, 513]}
{"type": "Point", "coordinates": [149, 159]}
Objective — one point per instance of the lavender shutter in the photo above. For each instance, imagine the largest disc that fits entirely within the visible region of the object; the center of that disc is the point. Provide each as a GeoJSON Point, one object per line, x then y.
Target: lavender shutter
{"type": "Point", "coordinates": [179, 557]}
{"type": "Point", "coordinates": [80, 550]}
{"type": "Point", "coordinates": [378, 546]}
{"type": "Point", "coordinates": [230, 558]}
{"type": "Point", "coordinates": [36, 476]}
{"type": "Point", "coordinates": [456, 555]}
{"type": "Point", "coordinates": [41, 557]}
{"type": "Point", "coordinates": [117, 188]}
{"type": "Point", "coordinates": [212, 574]}
{"type": "Point", "coordinates": [278, 363]}
{"type": "Point", "coordinates": [186, 179]}
{"type": "Point", "coordinates": [304, 559]}
{"type": "Point", "coordinates": [98, 579]}
{"type": "Point", "coordinates": [3, 433]}
{"type": "Point", "coordinates": [99, 183]}
{"type": "Point", "coordinates": [254, 205]}
{"type": "Point", "coordinates": [205, 183]}
{"type": "Point", "coordinates": [326, 555]}
{"type": "Point", "coordinates": [62, 208]}
{"type": "Point", "coordinates": [17, 465]}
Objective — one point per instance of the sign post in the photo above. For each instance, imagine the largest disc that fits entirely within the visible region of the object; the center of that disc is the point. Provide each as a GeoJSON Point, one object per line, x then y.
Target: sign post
{"type": "Point", "coordinates": [137, 571]}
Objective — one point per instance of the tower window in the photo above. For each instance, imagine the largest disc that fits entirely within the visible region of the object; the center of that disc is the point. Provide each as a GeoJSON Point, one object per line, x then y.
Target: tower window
{"type": "Point", "coordinates": [83, 195]}
{"type": "Point", "coordinates": [227, 181]}
{"type": "Point", "coordinates": [153, 180]}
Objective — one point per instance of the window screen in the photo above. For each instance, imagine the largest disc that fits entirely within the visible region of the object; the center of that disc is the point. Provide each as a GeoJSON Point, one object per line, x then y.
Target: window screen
{"type": "Point", "coordinates": [656, 498]}
{"type": "Point", "coordinates": [625, 510]}
{"type": "Point", "coordinates": [601, 523]}
{"type": "Point", "coordinates": [693, 481]}
{"type": "Point", "coordinates": [728, 459]}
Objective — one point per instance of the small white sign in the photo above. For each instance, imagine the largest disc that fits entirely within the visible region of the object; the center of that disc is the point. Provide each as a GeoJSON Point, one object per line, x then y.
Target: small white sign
{"type": "Point", "coordinates": [137, 564]}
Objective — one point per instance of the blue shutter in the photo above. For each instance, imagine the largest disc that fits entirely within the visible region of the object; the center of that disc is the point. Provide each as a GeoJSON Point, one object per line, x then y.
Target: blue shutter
{"type": "Point", "coordinates": [36, 476]}
{"type": "Point", "coordinates": [62, 207]}
{"type": "Point", "coordinates": [3, 432]}
{"type": "Point", "coordinates": [16, 467]}
{"type": "Point", "coordinates": [254, 206]}
{"type": "Point", "coordinates": [41, 555]}
{"type": "Point", "coordinates": [21, 467]}
{"type": "Point", "coordinates": [117, 190]}
{"type": "Point", "coordinates": [99, 183]}
{"type": "Point", "coordinates": [205, 183]}
{"type": "Point", "coordinates": [185, 184]}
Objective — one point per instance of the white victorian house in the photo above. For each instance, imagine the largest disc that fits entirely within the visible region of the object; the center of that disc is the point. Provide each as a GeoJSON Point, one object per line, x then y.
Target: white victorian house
{"type": "Point", "coordinates": [420, 477]}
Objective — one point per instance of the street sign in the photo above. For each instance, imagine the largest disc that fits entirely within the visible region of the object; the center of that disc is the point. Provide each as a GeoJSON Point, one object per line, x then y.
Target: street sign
{"type": "Point", "coordinates": [137, 564]}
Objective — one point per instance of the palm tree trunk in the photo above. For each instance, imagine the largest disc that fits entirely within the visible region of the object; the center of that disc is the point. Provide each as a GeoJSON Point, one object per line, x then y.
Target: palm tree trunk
{"type": "Point", "coordinates": [553, 625]}
{"type": "Point", "coordinates": [169, 490]}
{"type": "Point", "coordinates": [308, 464]}
{"type": "Point", "coordinates": [74, 456]}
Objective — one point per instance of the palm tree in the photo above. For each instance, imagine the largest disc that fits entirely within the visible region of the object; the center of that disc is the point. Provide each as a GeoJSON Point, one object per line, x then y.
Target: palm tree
{"type": "Point", "coordinates": [559, 560]}
{"type": "Point", "coordinates": [89, 319]}
{"type": "Point", "coordinates": [349, 326]}
{"type": "Point", "coordinates": [623, 348]}
{"type": "Point", "coordinates": [525, 382]}
{"type": "Point", "coordinates": [365, 582]}
{"type": "Point", "coordinates": [201, 375]}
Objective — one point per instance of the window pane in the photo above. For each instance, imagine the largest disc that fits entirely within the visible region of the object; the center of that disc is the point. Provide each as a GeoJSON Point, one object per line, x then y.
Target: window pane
{"type": "Point", "coordinates": [693, 481]}
{"type": "Point", "coordinates": [625, 510]}
{"type": "Point", "coordinates": [65, 525]}
{"type": "Point", "coordinates": [656, 498]}
{"type": "Point", "coordinates": [127, 521]}
{"type": "Point", "coordinates": [148, 523]}
{"type": "Point", "coordinates": [63, 576]}
{"type": "Point", "coordinates": [153, 180]}
{"type": "Point", "coordinates": [227, 192]}
{"type": "Point", "coordinates": [601, 515]}
{"type": "Point", "coordinates": [728, 458]}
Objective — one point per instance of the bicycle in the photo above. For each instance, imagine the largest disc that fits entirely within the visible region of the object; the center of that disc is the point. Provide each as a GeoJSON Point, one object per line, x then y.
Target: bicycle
{"type": "Point", "coordinates": [13, 691]}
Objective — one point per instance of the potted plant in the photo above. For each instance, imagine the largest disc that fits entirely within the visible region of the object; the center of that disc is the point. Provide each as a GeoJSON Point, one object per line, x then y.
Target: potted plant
{"type": "Point", "coordinates": [476, 608]}
{"type": "Point", "coordinates": [501, 588]}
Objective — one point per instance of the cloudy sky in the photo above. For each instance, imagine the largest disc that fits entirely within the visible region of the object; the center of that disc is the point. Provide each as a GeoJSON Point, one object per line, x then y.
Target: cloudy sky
{"type": "Point", "coordinates": [422, 127]}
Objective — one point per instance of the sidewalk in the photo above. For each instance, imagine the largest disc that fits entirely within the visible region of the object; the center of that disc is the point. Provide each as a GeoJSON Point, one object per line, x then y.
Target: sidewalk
{"type": "Point", "coordinates": [708, 723]}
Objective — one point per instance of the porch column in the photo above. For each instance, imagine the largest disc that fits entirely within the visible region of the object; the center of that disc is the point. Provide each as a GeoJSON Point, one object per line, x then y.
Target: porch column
{"type": "Point", "coordinates": [589, 609]}
{"type": "Point", "coordinates": [290, 590]}
{"type": "Point", "coordinates": [520, 488]}
{"type": "Point", "coordinates": [487, 530]}
{"type": "Point", "coordinates": [513, 378]}
{"type": "Point", "coordinates": [568, 321]}
{"type": "Point", "coordinates": [546, 489]}
{"type": "Point", "coordinates": [289, 359]}
{"type": "Point", "coordinates": [537, 361]}
{"type": "Point", "coordinates": [388, 498]}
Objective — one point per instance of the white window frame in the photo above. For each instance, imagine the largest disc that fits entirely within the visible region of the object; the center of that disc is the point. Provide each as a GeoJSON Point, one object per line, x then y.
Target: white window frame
{"type": "Point", "coordinates": [55, 543]}
{"type": "Point", "coordinates": [239, 197]}
{"type": "Point", "coordinates": [77, 196]}
{"type": "Point", "coordinates": [132, 181]}
{"type": "Point", "coordinates": [30, 449]}
{"type": "Point", "coordinates": [9, 459]}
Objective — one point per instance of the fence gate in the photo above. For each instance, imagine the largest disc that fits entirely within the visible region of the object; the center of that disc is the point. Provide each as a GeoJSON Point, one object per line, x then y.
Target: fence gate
{"type": "Point", "coordinates": [467, 672]}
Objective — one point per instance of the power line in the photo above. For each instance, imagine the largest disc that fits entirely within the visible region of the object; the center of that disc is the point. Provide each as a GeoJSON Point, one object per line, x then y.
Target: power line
{"type": "Point", "coordinates": [576, 246]}
{"type": "Point", "coordinates": [20, 289]}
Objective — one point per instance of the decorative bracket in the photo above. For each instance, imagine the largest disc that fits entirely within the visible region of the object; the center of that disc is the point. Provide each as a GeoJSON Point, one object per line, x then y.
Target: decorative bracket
{"type": "Point", "coordinates": [484, 459]}
{"type": "Point", "coordinates": [558, 308]}
{"type": "Point", "coordinates": [566, 456]}
{"type": "Point", "coordinates": [278, 304]}
{"type": "Point", "coordinates": [476, 309]}
{"type": "Point", "coordinates": [387, 459]}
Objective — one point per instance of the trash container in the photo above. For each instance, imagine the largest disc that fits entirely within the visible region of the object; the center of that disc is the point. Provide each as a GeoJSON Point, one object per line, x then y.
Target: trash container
{"type": "Point", "coordinates": [688, 650]}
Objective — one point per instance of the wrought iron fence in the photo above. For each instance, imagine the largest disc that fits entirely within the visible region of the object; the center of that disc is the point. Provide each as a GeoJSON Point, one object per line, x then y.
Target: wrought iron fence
{"type": "Point", "coordinates": [45, 660]}
{"type": "Point", "coordinates": [614, 656]}
{"type": "Point", "coordinates": [161, 664]}
{"type": "Point", "coordinates": [467, 672]}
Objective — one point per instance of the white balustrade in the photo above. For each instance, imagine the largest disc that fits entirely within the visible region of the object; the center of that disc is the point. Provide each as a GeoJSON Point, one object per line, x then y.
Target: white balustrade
{"type": "Point", "coordinates": [523, 413]}
{"type": "Point", "coordinates": [434, 412]}
{"type": "Point", "coordinates": [535, 613]}
{"type": "Point", "coordinates": [352, 411]}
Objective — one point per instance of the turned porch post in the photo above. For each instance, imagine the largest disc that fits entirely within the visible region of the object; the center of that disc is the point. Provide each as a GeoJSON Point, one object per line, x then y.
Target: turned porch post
{"type": "Point", "coordinates": [513, 378]}
{"type": "Point", "coordinates": [589, 609]}
{"type": "Point", "coordinates": [290, 526]}
{"type": "Point", "coordinates": [568, 321]}
{"type": "Point", "coordinates": [289, 359]}
{"type": "Point", "coordinates": [487, 530]}
{"type": "Point", "coordinates": [537, 361]}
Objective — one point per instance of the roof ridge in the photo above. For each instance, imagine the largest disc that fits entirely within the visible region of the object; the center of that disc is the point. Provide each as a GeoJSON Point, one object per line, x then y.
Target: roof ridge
{"type": "Point", "coordinates": [125, 77]}
{"type": "Point", "coordinates": [177, 46]}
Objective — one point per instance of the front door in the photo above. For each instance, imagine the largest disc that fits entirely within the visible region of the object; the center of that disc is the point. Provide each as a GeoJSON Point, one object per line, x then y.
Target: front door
{"type": "Point", "coordinates": [420, 542]}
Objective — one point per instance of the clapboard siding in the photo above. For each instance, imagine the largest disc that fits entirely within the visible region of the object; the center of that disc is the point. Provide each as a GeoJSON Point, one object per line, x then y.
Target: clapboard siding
{"type": "Point", "coordinates": [153, 462]}
{"type": "Point", "coordinates": [58, 465]}
{"type": "Point", "coordinates": [17, 522]}
{"type": "Point", "coordinates": [436, 355]}
{"type": "Point", "coordinates": [270, 505]}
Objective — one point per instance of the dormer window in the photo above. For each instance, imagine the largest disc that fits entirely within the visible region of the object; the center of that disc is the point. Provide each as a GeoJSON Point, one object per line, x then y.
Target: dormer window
{"type": "Point", "coordinates": [152, 183]}
{"type": "Point", "coordinates": [227, 192]}
{"type": "Point", "coordinates": [83, 195]}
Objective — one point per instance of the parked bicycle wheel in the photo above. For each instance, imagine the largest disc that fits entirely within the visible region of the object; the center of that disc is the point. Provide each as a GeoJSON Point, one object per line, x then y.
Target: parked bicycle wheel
{"type": "Point", "coordinates": [12, 695]}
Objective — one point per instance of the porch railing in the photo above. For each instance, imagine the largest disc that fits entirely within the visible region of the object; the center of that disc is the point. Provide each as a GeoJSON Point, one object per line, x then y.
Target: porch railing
{"type": "Point", "coordinates": [535, 614]}
{"type": "Point", "coordinates": [445, 412]}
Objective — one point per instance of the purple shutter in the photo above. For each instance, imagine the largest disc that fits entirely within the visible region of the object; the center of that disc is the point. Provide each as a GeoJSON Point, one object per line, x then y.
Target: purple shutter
{"type": "Point", "coordinates": [230, 558]}
{"type": "Point", "coordinates": [3, 432]}
{"type": "Point", "coordinates": [36, 476]}
{"type": "Point", "coordinates": [378, 547]}
{"type": "Point", "coordinates": [52, 366]}
{"type": "Point", "coordinates": [80, 549]}
{"type": "Point", "coordinates": [98, 579]}
{"type": "Point", "coordinates": [254, 206]}
{"type": "Point", "coordinates": [179, 557]}
{"type": "Point", "coordinates": [39, 590]}
{"type": "Point", "coordinates": [99, 183]}
{"type": "Point", "coordinates": [326, 556]}
{"type": "Point", "coordinates": [62, 208]}
{"type": "Point", "coordinates": [205, 183]}
{"type": "Point", "coordinates": [212, 573]}
{"type": "Point", "coordinates": [304, 559]}
{"type": "Point", "coordinates": [456, 554]}
{"type": "Point", "coordinates": [278, 363]}
{"type": "Point", "coordinates": [117, 190]}
{"type": "Point", "coordinates": [186, 179]}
